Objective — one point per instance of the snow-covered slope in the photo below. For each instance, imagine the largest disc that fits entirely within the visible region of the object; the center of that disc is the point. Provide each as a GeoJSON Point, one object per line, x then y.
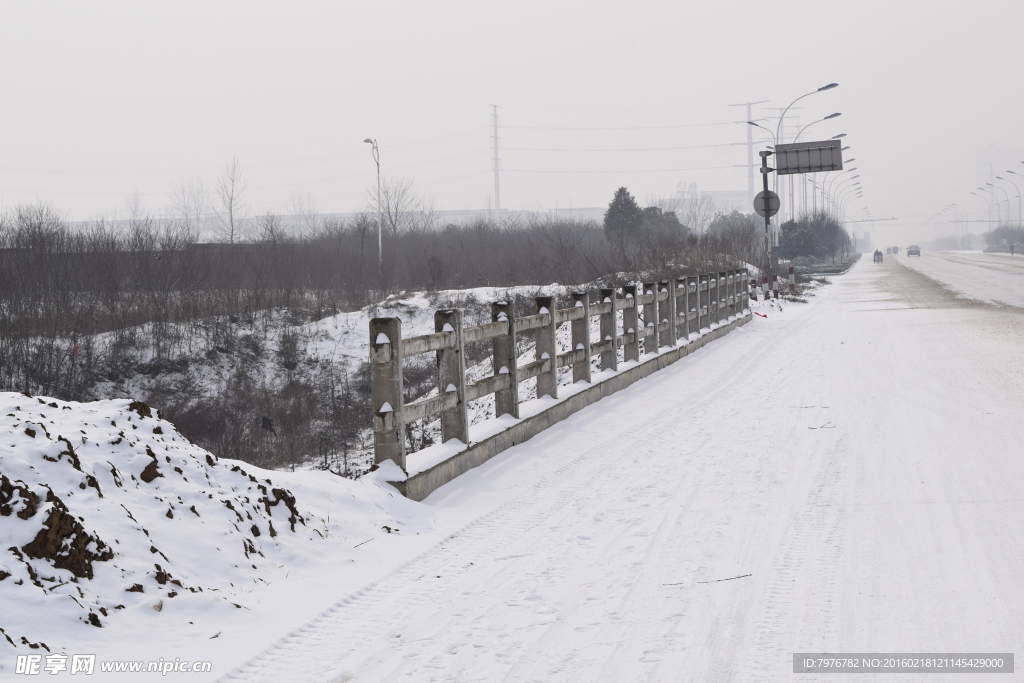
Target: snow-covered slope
{"type": "Point", "coordinates": [106, 510]}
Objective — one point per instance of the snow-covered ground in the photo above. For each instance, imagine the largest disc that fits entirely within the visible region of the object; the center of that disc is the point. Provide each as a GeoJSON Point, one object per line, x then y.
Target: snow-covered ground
{"type": "Point", "coordinates": [994, 278]}
{"type": "Point", "coordinates": [842, 475]}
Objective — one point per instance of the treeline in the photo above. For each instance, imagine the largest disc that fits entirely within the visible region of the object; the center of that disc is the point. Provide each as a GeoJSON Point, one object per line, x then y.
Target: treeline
{"type": "Point", "coordinates": [89, 310]}
{"type": "Point", "coordinates": [818, 234]}
{"type": "Point", "coordinates": [1005, 235]}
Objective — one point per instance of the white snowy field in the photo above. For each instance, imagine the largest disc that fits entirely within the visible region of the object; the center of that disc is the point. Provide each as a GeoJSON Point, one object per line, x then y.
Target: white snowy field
{"type": "Point", "coordinates": [994, 278]}
{"type": "Point", "coordinates": [853, 462]}
{"type": "Point", "coordinates": [858, 457]}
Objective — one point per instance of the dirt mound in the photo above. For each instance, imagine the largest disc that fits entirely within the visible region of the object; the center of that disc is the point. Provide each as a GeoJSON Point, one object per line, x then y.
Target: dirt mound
{"type": "Point", "coordinates": [105, 507]}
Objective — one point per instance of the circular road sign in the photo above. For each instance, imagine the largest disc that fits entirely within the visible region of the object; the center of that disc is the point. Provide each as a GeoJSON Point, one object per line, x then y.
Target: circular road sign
{"type": "Point", "coordinates": [766, 203]}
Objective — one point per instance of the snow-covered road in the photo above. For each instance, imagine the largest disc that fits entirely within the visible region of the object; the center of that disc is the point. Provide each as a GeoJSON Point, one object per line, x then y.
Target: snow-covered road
{"type": "Point", "coordinates": [994, 278]}
{"type": "Point", "coordinates": [857, 463]}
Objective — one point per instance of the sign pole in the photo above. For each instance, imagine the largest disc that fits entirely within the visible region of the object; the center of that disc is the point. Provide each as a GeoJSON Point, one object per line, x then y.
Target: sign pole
{"type": "Point", "coordinates": [767, 214]}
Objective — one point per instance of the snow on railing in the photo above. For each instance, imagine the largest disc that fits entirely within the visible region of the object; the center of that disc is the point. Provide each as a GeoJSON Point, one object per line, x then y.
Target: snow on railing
{"type": "Point", "coordinates": [668, 313]}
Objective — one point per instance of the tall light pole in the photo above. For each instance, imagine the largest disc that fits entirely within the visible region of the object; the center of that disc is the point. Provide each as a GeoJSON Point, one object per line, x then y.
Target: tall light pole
{"type": "Point", "coordinates": [782, 117]}
{"type": "Point", "coordinates": [1007, 180]}
{"type": "Point", "coordinates": [380, 220]}
{"type": "Point", "coordinates": [824, 176]}
{"type": "Point", "coordinates": [797, 139]}
{"type": "Point", "coordinates": [1005, 194]}
{"type": "Point", "coordinates": [988, 206]}
{"type": "Point", "coordinates": [833, 195]}
{"type": "Point", "coordinates": [999, 215]}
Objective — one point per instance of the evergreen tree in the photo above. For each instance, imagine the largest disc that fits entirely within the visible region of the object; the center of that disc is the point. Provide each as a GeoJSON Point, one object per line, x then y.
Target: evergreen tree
{"type": "Point", "coordinates": [623, 216]}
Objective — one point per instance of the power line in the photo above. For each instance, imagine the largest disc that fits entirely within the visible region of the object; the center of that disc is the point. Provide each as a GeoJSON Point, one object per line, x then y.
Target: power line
{"type": "Point", "coordinates": [682, 125]}
{"type": "Point", "coordinates": [649, 170]}
{"type": "Point", "coordinates": [620, 149]}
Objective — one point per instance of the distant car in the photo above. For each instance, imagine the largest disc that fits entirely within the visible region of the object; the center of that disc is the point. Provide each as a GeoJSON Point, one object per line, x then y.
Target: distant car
{"type": "Point", "coordinates": [888, 250]}
{"type": "Point", "coordinates": [913, 250]}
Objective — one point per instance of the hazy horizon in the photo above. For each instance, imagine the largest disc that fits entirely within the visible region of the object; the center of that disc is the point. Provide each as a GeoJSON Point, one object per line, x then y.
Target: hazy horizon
{"type": "Point", "coordinates": [115, 99]}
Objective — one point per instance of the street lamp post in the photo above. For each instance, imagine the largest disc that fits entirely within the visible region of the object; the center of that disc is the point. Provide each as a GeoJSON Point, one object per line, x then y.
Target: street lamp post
{"type": "Point", "coordinates": [778, 128]}
{"type": "Point", "coordinates": [825, 176]}
{"type": "Point", "coordinates": [988, 206]}
{"type": "Point", "coordinates": [380, 221]}
{"type": "Point", "coordinates": [1005, 194]}
{"type": "Point", "coordinates": [1018, 194]}
{"type": "Point", "coordinates": [835, 196]}
{"type": "Point", "coordinates": [999, 215]}
{"type": "Point", "coordinates": [797, 139]}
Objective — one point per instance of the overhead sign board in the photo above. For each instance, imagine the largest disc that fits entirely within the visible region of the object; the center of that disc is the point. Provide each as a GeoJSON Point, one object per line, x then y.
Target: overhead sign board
{"type": "Point", "coordinates": [809, 157]}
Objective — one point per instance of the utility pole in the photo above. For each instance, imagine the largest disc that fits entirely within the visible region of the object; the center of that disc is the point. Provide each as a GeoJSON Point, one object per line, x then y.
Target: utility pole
{"type": "Point", "coordinates": [497, 167]}
{"type": "Point", "coordinates": [750, 148]}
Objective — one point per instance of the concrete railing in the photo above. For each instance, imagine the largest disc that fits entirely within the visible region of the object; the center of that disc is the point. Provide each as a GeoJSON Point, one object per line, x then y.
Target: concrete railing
{"type": "Point", "coordinates": [678, 314]}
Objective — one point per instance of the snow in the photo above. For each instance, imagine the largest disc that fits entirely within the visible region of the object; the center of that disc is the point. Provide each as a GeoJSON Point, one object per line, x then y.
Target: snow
{"type": "Point", "coordinates": [595, 550]}
{"type": "Point", "coordinates": [854, 459]}
{"type": "Point", "coordinates": [119, 537]}
{"type": "Point", "coordinates": [993, 278]}
{"type": "Point", "coordinates": [382, 338]}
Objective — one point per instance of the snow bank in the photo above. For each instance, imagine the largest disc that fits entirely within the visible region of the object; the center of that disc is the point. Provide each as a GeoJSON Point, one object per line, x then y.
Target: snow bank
{"type": "Point", "coordinates": [105, 509]}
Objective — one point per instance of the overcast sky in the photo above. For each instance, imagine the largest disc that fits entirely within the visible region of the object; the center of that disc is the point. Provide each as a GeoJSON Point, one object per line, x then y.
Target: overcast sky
{"type": "Point", "coordinates": [105, 99]}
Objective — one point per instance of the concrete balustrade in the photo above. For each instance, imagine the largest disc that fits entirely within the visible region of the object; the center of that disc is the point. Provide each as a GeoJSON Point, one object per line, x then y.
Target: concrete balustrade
{"type": "Point", "coordinates": [695, 309]}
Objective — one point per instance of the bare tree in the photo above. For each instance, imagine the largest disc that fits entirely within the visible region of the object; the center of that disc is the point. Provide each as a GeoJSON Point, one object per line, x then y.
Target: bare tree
{"type": "Point", "coordinates": [190, 200]}
{"type": "Point", "coordinates": [399, 204]}
{"type": "Point", "coordinates": [229, 189]}
{"type": "Point", "coordinates": [270, 228]}
{"type": "Point", "coordinates": [307, 215]}
{"type": "Point", "coordinates": [695, 210]}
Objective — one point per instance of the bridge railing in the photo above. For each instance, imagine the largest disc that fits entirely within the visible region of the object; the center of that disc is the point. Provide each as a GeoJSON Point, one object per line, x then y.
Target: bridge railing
{"type": "Point", "coordinates": [657, 314]}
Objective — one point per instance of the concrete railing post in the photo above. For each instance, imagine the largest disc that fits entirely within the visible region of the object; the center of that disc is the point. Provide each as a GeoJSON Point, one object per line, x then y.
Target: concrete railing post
{"type": "Point", "coordinates": [712, 298]}
{"type": "Point", "coordinates": [451, 377]}
{"type": "Point", "coordinates": [667, 314]}
{"type": "Point", "coordinates": [733, 281]}
{"type": "Point", "coordinates": [609, 329]}
{"type": "Point", "coordinates": [775, 286]}
{"type": "Point", "coordinates": [547, 382]}
{"type": "Point", "coordinates": [386, 390]}
{"type": "Point", "coordinates": [723, 296]}
{"type": "Point", "coordinates": [792, 280]}
{"type": "Point", "coordinates": [692, 305]}
{"type": "Point", "coordinates": [630, 324]}
{"type": "Point", "coordinates": [743, 295]}
{"type": "Point", "coordinates": [506, 401]}
{"type": "Point", "coordinates": [703, 302]}
{"type": "Point", "coordinates": [581, 337]}
{"type": "Point", "coordinates": [680, 294]}
{"type": "Point", "coordinates": [651, 317]}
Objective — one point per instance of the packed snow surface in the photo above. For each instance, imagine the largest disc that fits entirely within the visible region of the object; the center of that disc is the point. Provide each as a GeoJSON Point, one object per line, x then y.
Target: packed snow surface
{"type": "Point", "coordinates": [843, 476]}
{"type": "Point", "coordinates": [993, 278]}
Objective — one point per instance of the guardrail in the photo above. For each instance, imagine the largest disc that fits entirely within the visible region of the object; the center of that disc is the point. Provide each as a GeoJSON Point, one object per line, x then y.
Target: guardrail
{"type": "Point", "coordinates": [667, 313]}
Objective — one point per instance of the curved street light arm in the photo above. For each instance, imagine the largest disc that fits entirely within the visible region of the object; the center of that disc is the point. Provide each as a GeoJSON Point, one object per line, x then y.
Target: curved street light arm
{"type": "Point", "coordinates": [1007, 180]}
{"type": "Point", "coordinates": [778, 129]}
{"type": "Point", "coordinates": [844, 172]}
